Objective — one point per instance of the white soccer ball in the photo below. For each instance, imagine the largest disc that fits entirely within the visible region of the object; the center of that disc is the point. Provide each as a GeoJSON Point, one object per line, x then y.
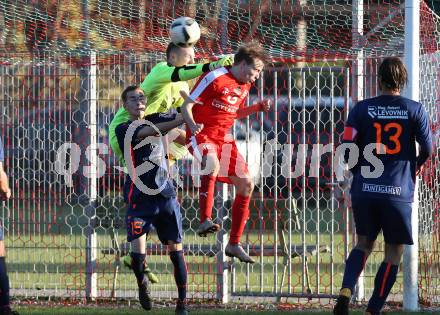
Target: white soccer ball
{"type": "Point", "coordinates": [184, 31]}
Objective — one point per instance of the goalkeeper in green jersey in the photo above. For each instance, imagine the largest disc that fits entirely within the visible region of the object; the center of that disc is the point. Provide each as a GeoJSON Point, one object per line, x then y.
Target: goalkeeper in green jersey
{"type": "Point", "coordinates": [162, 86]}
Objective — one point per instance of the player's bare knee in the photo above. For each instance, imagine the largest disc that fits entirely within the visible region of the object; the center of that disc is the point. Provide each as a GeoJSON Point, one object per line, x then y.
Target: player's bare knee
{"type": "Point", "coordinates": [393, 253]}
{"type": "Point", "coordinates": [2, 249]}
{"type": "Point", "coordinates": [245, 186]}
{"type": "Point", "coordinates": [364, 244]}
{"type": "Point", "coordinates": [210, 165]}
{"type": "Point", "coordinates": [138, 245]}
{"type": "Point", "coordinates": [172, 247]}
{"type": "Point", "coordinates": [250, 185]}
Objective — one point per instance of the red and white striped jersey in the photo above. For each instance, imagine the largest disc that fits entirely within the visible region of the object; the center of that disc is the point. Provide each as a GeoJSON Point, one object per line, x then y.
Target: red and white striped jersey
{"type": "Point", "coordinates": [218, 96]}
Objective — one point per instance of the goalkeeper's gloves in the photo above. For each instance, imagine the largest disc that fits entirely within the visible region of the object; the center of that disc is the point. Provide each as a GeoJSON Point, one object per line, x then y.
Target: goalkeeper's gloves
{"type": "Point", "coordinates": [222, 62]}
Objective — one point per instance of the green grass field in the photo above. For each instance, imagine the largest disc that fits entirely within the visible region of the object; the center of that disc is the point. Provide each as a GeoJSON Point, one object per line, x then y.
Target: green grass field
{"type": "Point", "coordinates": [37, 266]}
{"type": "Point", "coordinates": [49, 259]}
{"type": "Point", "coordinates": [52, 256]}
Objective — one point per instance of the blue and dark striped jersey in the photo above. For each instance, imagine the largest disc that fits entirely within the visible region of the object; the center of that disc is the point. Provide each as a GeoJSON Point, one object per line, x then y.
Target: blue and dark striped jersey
{"type": "Point", "coordinates": [148, 165]}
{"type": "Point", "coordinates": [397, 123]}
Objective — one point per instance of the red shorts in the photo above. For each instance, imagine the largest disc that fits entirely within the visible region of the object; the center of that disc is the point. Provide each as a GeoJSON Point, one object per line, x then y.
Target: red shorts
{"type": "Point", "coordinates": [232, 162]}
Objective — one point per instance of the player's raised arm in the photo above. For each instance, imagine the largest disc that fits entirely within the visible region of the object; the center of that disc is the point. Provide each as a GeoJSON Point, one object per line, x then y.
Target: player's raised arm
{"type": "Point", "coordinates": [180, 66]}
{"type": "Point", "coordinates": [163, 127]}
{"type": "Point", "coordinates": [263, 106]}
{"type": "Point", "coordinates": [189, 72]}
{"type": "Point", "coordinates": [134, 102]}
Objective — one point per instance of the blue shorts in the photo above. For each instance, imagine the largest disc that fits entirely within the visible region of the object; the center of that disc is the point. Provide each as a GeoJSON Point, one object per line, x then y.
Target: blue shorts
{"type": "Point", "coordinates": [393, 218]}
{"type": "Point", "coordinates": [162, 213]}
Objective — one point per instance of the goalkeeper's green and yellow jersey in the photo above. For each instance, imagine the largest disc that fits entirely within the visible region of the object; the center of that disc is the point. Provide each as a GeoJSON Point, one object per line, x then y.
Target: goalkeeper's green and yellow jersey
{"type": "Point", "coordinates": [161, 87]}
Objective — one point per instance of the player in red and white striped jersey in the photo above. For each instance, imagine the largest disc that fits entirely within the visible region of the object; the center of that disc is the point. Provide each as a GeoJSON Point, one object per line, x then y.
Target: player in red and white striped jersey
{"type": "Point", "coordinates": [215, 102]}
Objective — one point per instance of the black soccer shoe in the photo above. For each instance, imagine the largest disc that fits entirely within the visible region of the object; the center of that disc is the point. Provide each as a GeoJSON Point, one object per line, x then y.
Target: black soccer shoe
{"type": "Point", "coordinates": [181, 308]}
{"type": "Point", "coordinates": [341, 307]}
{"type": "Point", "coordinates": [144, 296]}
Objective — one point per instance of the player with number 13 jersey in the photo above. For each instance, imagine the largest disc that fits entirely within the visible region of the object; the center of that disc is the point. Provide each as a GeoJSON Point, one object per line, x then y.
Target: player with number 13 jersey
{"type": "Point", "coordinates": [396, 122]}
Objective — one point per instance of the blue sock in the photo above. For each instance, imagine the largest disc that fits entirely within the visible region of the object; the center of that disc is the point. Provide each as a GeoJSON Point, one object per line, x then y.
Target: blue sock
{"type": "Point", "coordinates": [180, 273]}
{"type": "Point", "coordinates": [4, 284]}
{"type": "Point", "coordinates": [385, 278]}
{"type": "Point", "coordinates": [354, 265]}
{"type": "Point", "coordinates": [137, 264]}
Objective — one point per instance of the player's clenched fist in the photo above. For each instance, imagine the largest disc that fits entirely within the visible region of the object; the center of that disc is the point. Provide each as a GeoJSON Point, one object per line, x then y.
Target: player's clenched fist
{"type": "Point", "coordinates": [265, 105]}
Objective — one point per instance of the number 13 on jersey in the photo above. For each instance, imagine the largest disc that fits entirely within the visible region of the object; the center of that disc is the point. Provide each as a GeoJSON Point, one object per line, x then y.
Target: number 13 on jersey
{"type": "Point", "coordinates": [390, 131]}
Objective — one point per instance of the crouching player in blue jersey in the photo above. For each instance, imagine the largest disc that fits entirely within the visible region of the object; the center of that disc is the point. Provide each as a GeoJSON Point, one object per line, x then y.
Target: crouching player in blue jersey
{"type": "Point", "coordinates": [149, 193]}
{"type": "Point", "coordinates": [389, 124]}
